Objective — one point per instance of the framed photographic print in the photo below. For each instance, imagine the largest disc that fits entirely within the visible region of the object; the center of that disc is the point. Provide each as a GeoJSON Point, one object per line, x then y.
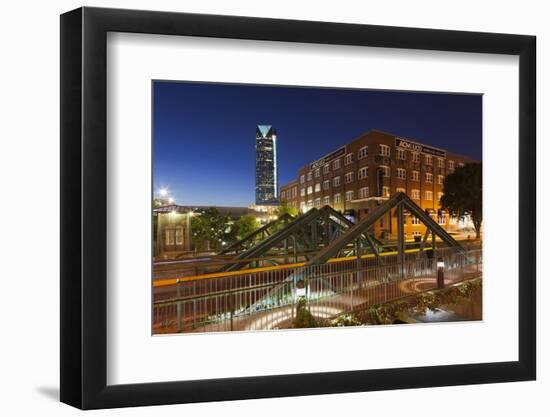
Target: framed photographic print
{"type": "Point", "coordinates": [256, 208]}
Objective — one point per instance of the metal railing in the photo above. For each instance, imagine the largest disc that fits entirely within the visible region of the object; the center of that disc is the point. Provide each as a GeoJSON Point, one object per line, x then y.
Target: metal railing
{"type": "Point", "coordinates": [267, 299]}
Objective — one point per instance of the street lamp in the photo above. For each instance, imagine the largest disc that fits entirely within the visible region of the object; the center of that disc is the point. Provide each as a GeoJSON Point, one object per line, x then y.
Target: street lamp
{"type": "Point", "coordinates": [440, 273]}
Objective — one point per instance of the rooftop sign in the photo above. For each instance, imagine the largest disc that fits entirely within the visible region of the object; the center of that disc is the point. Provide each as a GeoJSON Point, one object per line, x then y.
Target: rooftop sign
{"type": "Point", "coordinates": [417, 147]}
{"type": "Point", "coordinates": [327, 158]}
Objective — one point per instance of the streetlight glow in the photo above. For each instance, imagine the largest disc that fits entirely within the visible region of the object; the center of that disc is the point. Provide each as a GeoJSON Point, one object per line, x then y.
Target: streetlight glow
{"type": "Point", "coordinates": [163, 192]}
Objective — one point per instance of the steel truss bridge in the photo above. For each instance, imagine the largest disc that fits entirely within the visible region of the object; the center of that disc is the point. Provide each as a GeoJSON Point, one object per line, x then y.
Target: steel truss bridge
{"type": "Point", "coordinates": [336, 265]}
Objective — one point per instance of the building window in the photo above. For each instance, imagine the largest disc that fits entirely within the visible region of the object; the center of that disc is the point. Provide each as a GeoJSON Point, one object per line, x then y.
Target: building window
{"type": "Point", "coordinates": [440, 179]}
{"type": "Point", "coordinates": [317, 203]}
{"type": "Point", "coordinates": [385, 170]}
{"type": "Point", "coordinates": [428, 159]}
{"type": "Point", "coordinates": [428, 195]}
{"type": "Point", "coordinates": [415, 176]}
{"type": "Point", "coordinates": [364, 192]}
{"type": "Point", "coordinates": [416, 233]}
{"type": "Point", "coordinates": [294, 192]}
{"type": "Point", "coordinates": [302, 192]}
{"type": "Point", "coordinates": [441, 218]}
{"type": "Point", "coordinates": [460, 164]}
{"type": "Point", "coordinates": [451, 165]}
{"type": "Point", "coordinates": [309, 190]}
{"type": "Point", "coordinates": [326, 200]}
{"type": "Point", "coordinates": [440, 163]}
{"type": "Point", "coordinates": [337, 199]}
{"type": "Point", "coordinates": [383, 150]}
{"type": "Point", "coordinates": [429, 177]}
{"type": "Point", "coordinates": [415, 220]}
{"type": "Point", "coordinates": [401, 173]}
{"type": "Point", "coordinates": [363, 173]}
{"type": "Point", "coordinates": [349, 177]}
{"type": "Point", "coordinates": [336, 181]}
{"type": "Point", "coordinates": [317, 173]}
{"type": "Point", "coordinates": [309, 204]}
{"type": "Point", "coordinates": [385, 191]}
{"type": "Point", "coordinates": [179, 236]}
{"type": "Point", "coordinates": [309, 176]}
{"type": "Point", "coordinates": [349, 195]}
{"type": "Point", "coordinates": [326, 184]}
{"type": "Point", "coordinates": [282, 195]}
{"type": "Point", "coordinates": [326, 169]}
{"type": "Point", "coordinates": [400, 153]}
{"type": "Point", "coordinates": [439, 195]}
{"type": "Point", "coordinates": [336, 164]}
{"type": "Point", "coordinates": [303, 206]}
{"type": "Point", "coordinates": [400, 190]}
{"type": "Point", "coordinates": [416, 157]}
{"type": "Point", "coordinates": [415, 194]}
{"type": "Point", "coordinates": [363, 152]}
{"type": "Point", "coordinates": [317, 187]}
{"type": "Point", "coordinates": [348, 159]}
{"type": "Point", "coordinates": [302, 179]}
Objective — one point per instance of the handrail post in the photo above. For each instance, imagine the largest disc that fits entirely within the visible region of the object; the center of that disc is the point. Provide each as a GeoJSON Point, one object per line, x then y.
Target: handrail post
{"type": "Point", "coordinates": [179, 309]}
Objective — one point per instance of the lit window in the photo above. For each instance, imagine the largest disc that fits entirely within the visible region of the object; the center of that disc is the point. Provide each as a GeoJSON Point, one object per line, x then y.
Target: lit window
{"type": "Point", "coordinates": [336, 181]}
{"type": "Point", "coordinates": [384, 150]}
{"type": "Point", "coordinates": [302, 192]}
{"type": "Point", "coordinates": [363, 173]}
{"type": "Point", "coordinates": [400, 153]}
{"type": "Point", "coordinates": [385, 170]}
{"type": "Point", "coordinates": [310, 190]}
{"type": "Point", "coordinates": [294, 192]}
{"type": "Point", "coordinates": [349, 177]}
{"type": "Point", "coordinates": [317, 173]}
{"type": "Point", "coordinates": [415, 176]}
{"type": "Point", "coordinates": [303, 206]}
{"type": "Point", "coordinates": [415, 220]}
{"type": "Point", "coordinates": [428, 159]}
{"type": "Point", "coordinates": [429, 177]}
{"type": "Point", "coordinates": [302, 179]}
{"type": "Point", "coordinates": [401, 173]}
{"type": "Point", "coordinates": [439, 195]}
{"type": "Point", "coordinates": [363, 192]}
{"type": "Point", "coordinates": [460, 164]}
{"type": "Point", "coordinates": [337, 198]}
{"type": "Point", "coordinates": [336, 164]}
{"type": "Point", "coordinates": [326, 169]}
{"type": "Point", "coordinates": [309, 176]}
{"type": "Point", "coordinates": [317, 203]}
{"type": "Point", "coordinates": [440, 179]}
{"type": "Point", "coordinates": [385, 191]}
{"type": "Point", "coordinates": [349, 195]}
{"type": "Point", "coordinates": [415, 194]}
{"type": "Point", "coordinates": [451, 165]}
{"type": "Point", "coordinates": [363, 152]}
{"type": "Point", "coordinates": [440, 163]}
{"type": "Point", "coordinates": [400, 190]}
{"type": "Point", "coordinates": [416, 157]}
{"type": "Point", "coordinates": [317, 187]}
{"type": "Point", "coordinates": [309, 203]}
{"type": "Point", "coordinates": [326, 184]}
{"type": "Point", "coordinates": [349, 159]}
{"type": "Point", "coordinates": [326, 200]}
{"type": "Point", "coordinates": [428, 196]}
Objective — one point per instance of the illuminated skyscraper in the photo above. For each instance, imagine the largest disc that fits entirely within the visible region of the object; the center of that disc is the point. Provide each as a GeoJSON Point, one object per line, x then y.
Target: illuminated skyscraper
{"type": "Point", "coordinates": [266, 165]}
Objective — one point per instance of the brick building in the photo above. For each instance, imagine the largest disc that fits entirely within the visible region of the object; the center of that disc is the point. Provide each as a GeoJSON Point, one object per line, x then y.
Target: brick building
{"type": "Point", "coordinates": [364, 173]}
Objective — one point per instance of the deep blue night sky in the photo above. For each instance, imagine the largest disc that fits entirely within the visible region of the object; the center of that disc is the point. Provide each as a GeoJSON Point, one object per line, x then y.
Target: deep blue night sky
{"type": "Point", "coordinates": [204, 134]}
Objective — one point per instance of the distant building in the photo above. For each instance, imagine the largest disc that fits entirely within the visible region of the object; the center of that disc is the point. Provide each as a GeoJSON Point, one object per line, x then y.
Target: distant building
{"type": "Point", "coordinates": [360, 175]}
{"type": "Point", "coordinates": [266, 165]}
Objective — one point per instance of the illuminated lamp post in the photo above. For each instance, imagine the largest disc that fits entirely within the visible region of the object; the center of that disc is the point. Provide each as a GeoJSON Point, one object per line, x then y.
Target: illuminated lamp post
{"type": "Point", "coordinates": [440, 273]}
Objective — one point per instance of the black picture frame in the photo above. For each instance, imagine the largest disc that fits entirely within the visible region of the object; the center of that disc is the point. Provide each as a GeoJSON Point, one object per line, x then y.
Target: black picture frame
{"type": "Point", "coordinates": [84, 207]}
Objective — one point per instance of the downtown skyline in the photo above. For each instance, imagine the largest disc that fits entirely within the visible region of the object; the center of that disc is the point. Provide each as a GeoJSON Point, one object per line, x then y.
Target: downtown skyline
{"type": "Point", "coordinates": [204, 134]}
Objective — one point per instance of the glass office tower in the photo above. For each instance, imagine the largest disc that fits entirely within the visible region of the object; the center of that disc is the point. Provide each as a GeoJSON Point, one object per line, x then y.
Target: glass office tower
{"type": "Point", "coordinates": [266, 165]}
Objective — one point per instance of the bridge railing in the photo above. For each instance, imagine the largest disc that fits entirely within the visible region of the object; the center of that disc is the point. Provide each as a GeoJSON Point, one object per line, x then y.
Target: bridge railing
{"type": "Point", "coordinates": [267, 300]}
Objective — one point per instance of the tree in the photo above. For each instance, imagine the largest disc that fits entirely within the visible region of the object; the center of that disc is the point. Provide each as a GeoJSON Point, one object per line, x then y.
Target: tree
{"type": "Point", "coordinates": [244, 226]}
{"type": "Point", "coordinates": [210, 229]}
{"type": "Point", "coordinates": [284, 208]}
{"type": "Point", "coordinates": [462, 194]}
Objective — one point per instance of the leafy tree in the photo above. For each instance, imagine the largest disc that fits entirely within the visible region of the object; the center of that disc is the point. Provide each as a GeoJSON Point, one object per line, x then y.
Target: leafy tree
{"type": "Point", "coordinates": [210, 229]}
{"type": "Point", "coordinates": [462, 194]}
{"type": "Point", "coordinates": [303, 319]}
{"type": "Point", "coordinates": [285, 208]}
{"type": "Point", "coordinates": [244, 226]}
